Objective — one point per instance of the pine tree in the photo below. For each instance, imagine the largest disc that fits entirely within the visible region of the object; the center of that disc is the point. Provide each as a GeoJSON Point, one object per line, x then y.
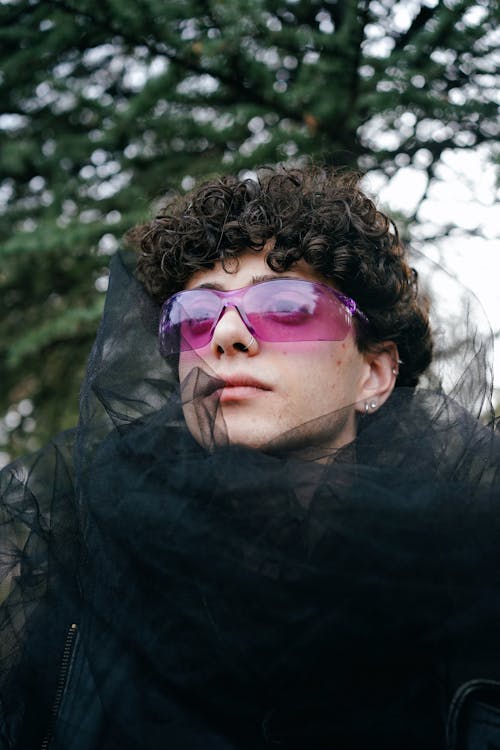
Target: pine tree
{"type": "Point", "coordinates": [106, 105]}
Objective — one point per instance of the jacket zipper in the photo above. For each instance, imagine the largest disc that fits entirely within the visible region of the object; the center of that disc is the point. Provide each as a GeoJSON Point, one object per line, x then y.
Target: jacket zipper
{"type": "Point", "coordinates": [67, 653]}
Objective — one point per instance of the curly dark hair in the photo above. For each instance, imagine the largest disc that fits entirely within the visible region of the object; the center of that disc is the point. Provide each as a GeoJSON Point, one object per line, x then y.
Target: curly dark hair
{"type": "Point", "coordinates": [317, 214]}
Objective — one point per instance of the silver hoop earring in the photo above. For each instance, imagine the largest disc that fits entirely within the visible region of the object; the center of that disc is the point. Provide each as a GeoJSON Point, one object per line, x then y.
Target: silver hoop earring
{"type": "Point", "coordinates": [370, 405]}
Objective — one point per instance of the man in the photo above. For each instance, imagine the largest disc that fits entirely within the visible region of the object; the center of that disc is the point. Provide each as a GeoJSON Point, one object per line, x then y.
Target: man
{"type": "Point", "coordinates": [265, 533]}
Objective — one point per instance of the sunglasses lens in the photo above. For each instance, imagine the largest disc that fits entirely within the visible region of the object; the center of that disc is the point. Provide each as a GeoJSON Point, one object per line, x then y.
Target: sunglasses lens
{"type": "Point", "coordinates": [187, 320]}
{"type": "Point", "coordinates": [295, 310]}
{"type": "Point", "coordinates": [282, 310]}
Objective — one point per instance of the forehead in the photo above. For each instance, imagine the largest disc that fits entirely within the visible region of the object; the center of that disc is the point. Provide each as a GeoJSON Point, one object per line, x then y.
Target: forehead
{"type": "Point", "coordinates": [249, 268]}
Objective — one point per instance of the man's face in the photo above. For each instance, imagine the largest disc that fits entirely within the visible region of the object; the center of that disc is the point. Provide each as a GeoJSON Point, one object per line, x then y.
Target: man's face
{"type": "Point", "coordinates": [273, 388]}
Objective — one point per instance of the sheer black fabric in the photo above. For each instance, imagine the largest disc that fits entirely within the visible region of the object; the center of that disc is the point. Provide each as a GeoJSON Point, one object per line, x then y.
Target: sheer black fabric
{"type": "Point", "coordinates": [160, 594]}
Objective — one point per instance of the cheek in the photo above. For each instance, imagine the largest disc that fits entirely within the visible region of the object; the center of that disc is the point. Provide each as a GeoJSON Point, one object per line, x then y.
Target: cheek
{"type": "Point", "coordinates": [322, 356]}
{"type": "Point", "coordinates": [190, 360]}
{"type": "Point", "coordinates": [186, 363]}
{"type": "Point", "coordinates": [326, 368]}
{"type": "Point", "coordinates": [308, 371]}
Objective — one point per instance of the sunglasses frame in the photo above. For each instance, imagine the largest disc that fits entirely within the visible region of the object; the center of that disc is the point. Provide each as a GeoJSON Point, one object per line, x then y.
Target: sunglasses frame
{"type": "Point", "coordinates": [226, 298]}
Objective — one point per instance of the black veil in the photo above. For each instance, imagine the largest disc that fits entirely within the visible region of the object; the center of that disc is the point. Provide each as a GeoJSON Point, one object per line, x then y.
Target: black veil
{"type": "Point", "coordinates": [159, 594]}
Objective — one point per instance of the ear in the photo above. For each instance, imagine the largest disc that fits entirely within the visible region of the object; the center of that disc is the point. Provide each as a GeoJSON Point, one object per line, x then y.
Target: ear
{"type": "Point", "coordinates": [381, 371]}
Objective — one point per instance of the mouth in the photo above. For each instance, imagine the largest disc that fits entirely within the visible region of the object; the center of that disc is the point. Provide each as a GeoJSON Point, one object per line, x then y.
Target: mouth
{"type": "Point", "coordinates": [241, 388]}
{"type": "Point", "coordinates": [200, 385]}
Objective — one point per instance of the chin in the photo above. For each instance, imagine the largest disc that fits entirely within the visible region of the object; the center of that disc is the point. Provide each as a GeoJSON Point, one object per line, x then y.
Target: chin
{"type": "Point", "coordinates": [237, 434]}
{"type": "Point", "coordinates": [326, 433]}
{"type": "Point", "coordinates": [322, 435]}
{"type": "Point", "coordinates": [268, 440]}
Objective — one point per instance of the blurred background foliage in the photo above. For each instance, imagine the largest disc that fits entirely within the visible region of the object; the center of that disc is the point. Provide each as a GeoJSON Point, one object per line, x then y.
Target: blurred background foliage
{"type": "Point", "coordinates": [107, 104]}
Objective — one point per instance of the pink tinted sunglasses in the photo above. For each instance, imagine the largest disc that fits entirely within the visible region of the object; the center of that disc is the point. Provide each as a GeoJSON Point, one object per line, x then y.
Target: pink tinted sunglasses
{"type": "Point", "coordinates": [277, 310]}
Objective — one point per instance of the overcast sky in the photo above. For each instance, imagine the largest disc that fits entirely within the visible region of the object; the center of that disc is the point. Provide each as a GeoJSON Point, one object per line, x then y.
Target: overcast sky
{"type": "Point", "coordinates": [466, 197]}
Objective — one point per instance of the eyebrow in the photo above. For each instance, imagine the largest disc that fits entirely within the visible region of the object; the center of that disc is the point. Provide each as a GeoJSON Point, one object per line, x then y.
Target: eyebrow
{"type": "Point", "coordinates": [255, 280]}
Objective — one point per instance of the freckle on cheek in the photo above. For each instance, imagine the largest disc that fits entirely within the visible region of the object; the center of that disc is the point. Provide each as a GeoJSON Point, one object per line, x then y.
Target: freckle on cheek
{"type": "Point", "coordinates": [339, 362]}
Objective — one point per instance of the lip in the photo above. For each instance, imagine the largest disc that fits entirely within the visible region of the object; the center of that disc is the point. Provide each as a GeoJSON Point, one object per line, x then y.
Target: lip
{"type": "Point", "coordinates": [241, 387]}
{"type": "Point", "coordinates": [235, 381]}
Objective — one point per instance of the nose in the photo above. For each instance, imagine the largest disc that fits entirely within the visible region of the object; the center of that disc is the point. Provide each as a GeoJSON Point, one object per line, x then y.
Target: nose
{"type": "Point", "coordinates": [231, 335]}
